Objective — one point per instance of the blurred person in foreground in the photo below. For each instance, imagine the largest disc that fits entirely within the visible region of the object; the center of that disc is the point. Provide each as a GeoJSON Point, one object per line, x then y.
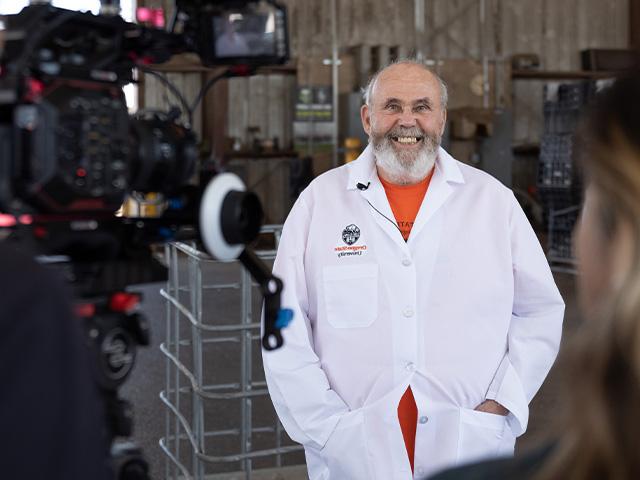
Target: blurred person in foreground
{"type": "Point", "coordinates": [52, 424]}
{"type": "Point", "coordinates": [599, 434]}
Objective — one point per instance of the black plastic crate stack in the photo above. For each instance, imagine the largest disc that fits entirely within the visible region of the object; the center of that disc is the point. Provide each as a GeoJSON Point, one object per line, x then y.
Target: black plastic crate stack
{"type": "Point", "coordinates": [559, 182]}
{"type": "Point", "coordinates": [561, 223]}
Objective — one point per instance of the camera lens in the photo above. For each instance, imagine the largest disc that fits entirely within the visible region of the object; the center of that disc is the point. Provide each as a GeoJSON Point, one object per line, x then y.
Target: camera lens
{"type": "Point", "coordinates": [241, 217]}
{"type": "Point", "coordinates": [165, 155]}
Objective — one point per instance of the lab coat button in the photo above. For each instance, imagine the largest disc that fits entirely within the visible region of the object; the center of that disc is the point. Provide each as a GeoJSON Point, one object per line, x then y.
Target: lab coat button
{"type": "Point", "coordinates": [406, 262]}
{"type": "Point", "coordinates": [410, 367]}
{"type": "Point", "coordinates": [408, 312]}
{"type": "Point", "coordinates": [424, 419]}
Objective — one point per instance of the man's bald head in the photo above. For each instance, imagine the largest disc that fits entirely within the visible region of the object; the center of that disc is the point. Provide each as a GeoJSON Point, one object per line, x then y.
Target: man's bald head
{"type": "Point", "coordinates": [406, 64]}
{"type": "Point", "coordinates": [404, 116]}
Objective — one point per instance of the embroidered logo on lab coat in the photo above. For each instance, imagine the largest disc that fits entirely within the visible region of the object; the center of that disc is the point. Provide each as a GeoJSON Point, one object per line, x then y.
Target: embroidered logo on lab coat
{"type": "Point", "coordinates": [351, 234]}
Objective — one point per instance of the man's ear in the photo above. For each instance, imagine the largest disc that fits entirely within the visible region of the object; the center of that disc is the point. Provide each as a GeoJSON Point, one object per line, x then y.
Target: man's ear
{"type": "Point", "coordinates": [366, 119]}
{"type": "Point", "coordinates": [444, 122]}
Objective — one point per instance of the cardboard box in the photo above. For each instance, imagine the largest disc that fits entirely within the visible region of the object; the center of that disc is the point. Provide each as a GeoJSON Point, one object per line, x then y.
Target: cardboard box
{"type": "Point", "coordinates": [465, 83]}
{"type": "Point", "coordinates": [466, 151]}
{"type": "Point", "coordinates": [468, 123]}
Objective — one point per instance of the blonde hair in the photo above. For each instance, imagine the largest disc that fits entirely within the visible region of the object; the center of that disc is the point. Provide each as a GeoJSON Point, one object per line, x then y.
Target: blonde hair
{"type": "Point", "coordinates": [599, 435]}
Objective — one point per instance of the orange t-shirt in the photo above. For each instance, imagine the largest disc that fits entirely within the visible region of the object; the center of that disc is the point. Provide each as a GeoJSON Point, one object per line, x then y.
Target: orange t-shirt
{"type": "Point", "coordinates": [405, 201]}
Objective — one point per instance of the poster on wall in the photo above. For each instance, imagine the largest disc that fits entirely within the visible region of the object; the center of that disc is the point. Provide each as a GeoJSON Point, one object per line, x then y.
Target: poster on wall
{"type": "Point", "coordinates": [313, 104]}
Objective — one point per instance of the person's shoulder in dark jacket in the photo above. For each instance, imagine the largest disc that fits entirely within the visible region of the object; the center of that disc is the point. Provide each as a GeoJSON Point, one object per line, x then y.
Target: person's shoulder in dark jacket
{"type": "Point", "coordinates": [51, 416]}
{"type": "Point", "coordinates": [520, 467]}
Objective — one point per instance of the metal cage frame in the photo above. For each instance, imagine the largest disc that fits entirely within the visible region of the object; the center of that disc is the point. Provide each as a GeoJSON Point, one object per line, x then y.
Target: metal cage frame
{"type": "Point", "coordinates": [183, 380]}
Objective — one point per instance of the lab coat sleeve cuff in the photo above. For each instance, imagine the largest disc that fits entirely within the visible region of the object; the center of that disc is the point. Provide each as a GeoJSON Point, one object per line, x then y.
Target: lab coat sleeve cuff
{"type": "Point", "coordinates": [507, 390]}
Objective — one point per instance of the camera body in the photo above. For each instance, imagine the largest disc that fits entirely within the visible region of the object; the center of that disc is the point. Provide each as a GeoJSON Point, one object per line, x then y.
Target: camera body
{"type": "Point", "coordinates": [71, 152]}
{"type": "Point", "coordinates": [68, 144]}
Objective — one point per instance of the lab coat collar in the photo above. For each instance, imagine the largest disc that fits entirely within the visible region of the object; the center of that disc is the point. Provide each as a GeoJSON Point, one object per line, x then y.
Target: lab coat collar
{"type": "Point", "coordinates": [363, 169]}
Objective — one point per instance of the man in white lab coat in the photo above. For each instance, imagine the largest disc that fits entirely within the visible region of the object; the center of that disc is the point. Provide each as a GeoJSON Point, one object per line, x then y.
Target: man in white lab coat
{"type": "Point", "coordinates": [425, 313]}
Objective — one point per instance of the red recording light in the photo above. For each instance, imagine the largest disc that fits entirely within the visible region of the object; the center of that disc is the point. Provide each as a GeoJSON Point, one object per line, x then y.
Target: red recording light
{"type": "Point", "coordinates": [143, 14]}
{"type": "Point", "coordinates": [35, 88]}
{"type": "Point", "coordinates": [25, 219]}
{"type": "Point", "coordinates": [7, 220]}
{"type": "Point", "coordinates": [40, 232]}
{"type": "Point", "coordinates": [81, 172]}
{"type": "Point", "coordinates": [153, 17]}
{"type": "Point", "coordinates": [85, 310]}
{"type": "Point", "coordinates": [241, 70]}
{"type": "Point", "coordinates": [123, 302]}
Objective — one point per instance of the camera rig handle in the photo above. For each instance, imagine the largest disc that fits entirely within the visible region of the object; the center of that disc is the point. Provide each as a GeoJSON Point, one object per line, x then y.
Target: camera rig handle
{"type": "Point", "coordinates": [275, 318]}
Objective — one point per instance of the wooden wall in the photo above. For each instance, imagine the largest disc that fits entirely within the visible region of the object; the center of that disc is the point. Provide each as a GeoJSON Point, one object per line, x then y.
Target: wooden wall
{"type": "Point", "coordinates": [554, 30]}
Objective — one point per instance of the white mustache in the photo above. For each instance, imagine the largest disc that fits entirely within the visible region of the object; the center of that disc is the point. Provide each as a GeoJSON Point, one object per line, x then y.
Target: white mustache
{"type": "Point", "coordinates": [406, 132]}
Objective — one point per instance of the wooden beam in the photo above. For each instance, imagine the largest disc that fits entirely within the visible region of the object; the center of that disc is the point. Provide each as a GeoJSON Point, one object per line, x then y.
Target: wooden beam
{"type": "Point", "coordinates": [634, 24]}
{"type": "Point", "coordinates": [560, 74]}
{"type": "Point", "coordinates": [215, 108]}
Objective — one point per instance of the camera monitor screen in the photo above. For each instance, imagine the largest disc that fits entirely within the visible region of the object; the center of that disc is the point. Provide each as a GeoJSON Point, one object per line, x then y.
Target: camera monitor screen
{"type": "Point", "coordinates": [251, 33]}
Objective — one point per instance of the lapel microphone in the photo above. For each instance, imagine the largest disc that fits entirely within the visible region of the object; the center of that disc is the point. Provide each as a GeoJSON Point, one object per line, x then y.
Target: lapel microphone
{"type": "Point", "coordinates": [362, 187]}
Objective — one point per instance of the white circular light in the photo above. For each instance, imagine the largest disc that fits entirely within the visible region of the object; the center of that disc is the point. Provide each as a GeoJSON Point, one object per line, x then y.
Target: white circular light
{"type": "Point", "coordinates": [211, 216]}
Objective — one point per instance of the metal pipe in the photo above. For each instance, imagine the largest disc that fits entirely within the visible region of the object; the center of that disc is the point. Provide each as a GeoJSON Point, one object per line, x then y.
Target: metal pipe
{"type": "Point", "coordinates": [483, 55]}
{"type": "Point", "coordinates": [164, 445]}
{"type": "Point", "coordinates": [176, 321]}
{"type": "Point", "coordinates": [199, 390]}
{"type": "Point", "coordinates": [167, 419]}
{"type": "Point", "coordinates": [419, 16]}
{"type": "Point", "coordinates": [278, 442]}
{"type": "Point", "coordinates": [225, 458]}
{"type": "Point", "coordinates": [245, 406]}
{"type": "Point", "coordinates": [196, 349]}
{"type": "Point", "coordinates": [334, 78]}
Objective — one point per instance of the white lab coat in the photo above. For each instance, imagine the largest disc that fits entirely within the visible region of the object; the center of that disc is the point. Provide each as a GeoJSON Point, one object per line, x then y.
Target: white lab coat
{"type": "Point", "coordinates": [465, 310]}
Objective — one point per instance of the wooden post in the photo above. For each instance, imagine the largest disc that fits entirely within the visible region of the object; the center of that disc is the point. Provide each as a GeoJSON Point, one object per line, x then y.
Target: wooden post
{"type": "Point", "coordinates": [215, 107]}
{"type": "Point", "coordinates": [634, 24]}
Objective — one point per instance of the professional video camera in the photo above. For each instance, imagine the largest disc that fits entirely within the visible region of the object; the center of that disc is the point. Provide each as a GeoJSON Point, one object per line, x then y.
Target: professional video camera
{"type": "Point", "coordinates": [71, 154]}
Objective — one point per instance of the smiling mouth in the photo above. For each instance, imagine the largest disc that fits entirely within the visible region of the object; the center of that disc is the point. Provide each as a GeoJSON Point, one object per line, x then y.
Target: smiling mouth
{"type": "Point", "coordinates": [406, 140]}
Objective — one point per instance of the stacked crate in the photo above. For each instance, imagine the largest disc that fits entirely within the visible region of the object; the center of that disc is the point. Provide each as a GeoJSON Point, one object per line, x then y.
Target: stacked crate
{"type": "Point", "coordinates": [559, 182]}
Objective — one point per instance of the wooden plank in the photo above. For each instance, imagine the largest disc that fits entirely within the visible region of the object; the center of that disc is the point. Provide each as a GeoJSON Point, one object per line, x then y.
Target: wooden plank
{"type": "Point", "coordinates": [634, 24]}
{"type": "Point", "coordinates": [192, 84]}
{"type": "Point", "coordinates": [214, 107]}
{"type": "Point", "coordinates": [560, 74]}
{"type": "Point", "coordinates": [238, 108]}
{"type": "Point", "coordinates": [258, 102]}
{"type": "Point", "coordinates": [289, 109]}
{"type": "Point", "coordinates": [275, 127]}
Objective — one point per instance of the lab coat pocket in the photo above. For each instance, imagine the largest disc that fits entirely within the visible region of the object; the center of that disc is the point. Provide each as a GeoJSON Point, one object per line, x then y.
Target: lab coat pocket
{"type": "Point", "coordinates": [480, 435]}
{"type": "Point", "coordinates": [351, 295]}
{"type": "Point", "coordinates": [346, 453]}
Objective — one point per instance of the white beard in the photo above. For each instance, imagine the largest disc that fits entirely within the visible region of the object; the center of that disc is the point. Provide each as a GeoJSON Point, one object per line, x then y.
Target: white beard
{"type": "Point", "coordinates": [405, 167]}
